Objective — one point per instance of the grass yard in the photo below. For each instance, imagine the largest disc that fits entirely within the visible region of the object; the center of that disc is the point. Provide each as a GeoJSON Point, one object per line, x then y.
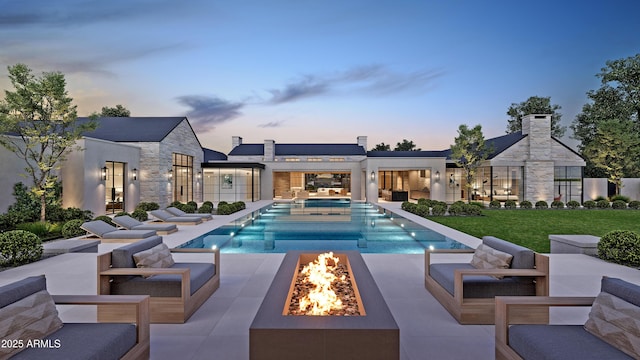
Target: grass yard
{"type": "Point", "coordinates": [531, 228]}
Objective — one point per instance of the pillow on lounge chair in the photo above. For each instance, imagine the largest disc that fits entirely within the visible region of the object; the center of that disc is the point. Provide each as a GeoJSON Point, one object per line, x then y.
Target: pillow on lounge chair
{"type": "Point", "coordinates": [158, 256]}
{"type": "Point", "coordinates": [486, 257]}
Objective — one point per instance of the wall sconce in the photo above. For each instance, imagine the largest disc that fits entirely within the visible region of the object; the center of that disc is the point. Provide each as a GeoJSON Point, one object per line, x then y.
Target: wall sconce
{"type": "Point", "coordinates": [170, 174]}
{"type": "Point", "coordinates": [437, 175]}
{"type": "Point", "coordinates": [199, 175]}
{"type": "Point", "coordinates": [134, 174]}
{"type": "Point", "coordinates": [104, 172]}
{"type": "Point", "coordinates": [373, 176]}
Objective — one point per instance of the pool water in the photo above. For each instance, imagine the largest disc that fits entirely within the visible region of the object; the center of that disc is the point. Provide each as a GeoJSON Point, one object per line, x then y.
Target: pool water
{"type": "Point", "coordinates": [323, 224]}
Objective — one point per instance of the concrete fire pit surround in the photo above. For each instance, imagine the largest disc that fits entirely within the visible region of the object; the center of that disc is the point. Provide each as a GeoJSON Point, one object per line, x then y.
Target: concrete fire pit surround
{"type": "Point", "coordinates": [275, 336]}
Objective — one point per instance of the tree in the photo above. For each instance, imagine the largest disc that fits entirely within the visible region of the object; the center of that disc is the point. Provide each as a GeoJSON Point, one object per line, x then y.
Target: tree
{"type": "Point", "coordinates": [615, 149]}
{"type": "Point", "coordinates": [535, 105]}
{"type": "Point", "coordinates": [617, 98]}
{"type": "Point", "coordinates": [38, 122]}
{"type": "Point", "coordinates": [469, 151]}
{"type": "Point", "coordinates": [118, 111]}
{"type": "Point", "coordinates": [406, 145]}
{"type": "Point", "coordinates": [382, 147]}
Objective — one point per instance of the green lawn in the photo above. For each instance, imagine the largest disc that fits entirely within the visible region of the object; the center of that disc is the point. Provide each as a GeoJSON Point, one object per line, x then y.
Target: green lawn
{"type": "Point", "coordinates": [531, 228]}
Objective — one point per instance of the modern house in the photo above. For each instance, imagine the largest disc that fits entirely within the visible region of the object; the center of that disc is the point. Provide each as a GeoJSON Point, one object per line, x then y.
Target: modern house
{"type": "Point", "coordinates": [160, 159]}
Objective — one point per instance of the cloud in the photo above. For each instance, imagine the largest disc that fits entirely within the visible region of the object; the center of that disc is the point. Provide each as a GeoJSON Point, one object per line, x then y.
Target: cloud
{"type": "Point", "coordinates": [207, 112]}
{"type": "Point", "coordinates": [369, 79]}
{"type": "Point", "coordinates": [272, 124]}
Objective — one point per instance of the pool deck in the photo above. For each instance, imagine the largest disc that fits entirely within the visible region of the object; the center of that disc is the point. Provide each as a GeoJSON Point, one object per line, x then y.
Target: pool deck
{"type": "Point", "coordinates": [220, 328]}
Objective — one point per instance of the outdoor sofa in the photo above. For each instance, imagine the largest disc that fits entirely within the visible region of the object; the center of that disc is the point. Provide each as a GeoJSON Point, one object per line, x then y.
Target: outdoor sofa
{"type": "Point", "coordinates": [28, 313]}
{"type": "Point", "coordinates": [165, 216]}
{"type": "Point", "coordinates": [468, 292]}
{"type": "Point", "coordinates": [130, 223]}
{"type": "Point", "coordinates": [611, 332]}
{"type": "Point", "coordinates": [108, 233]}
{"type": "Point", "coordinates": [177, 289]}
{"type": "Point", "coordinates": [177, 212]}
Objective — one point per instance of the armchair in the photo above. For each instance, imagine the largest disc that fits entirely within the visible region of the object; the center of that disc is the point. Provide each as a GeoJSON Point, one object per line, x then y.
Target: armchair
{"type": "Point", "coordinates": [176, 290]}
{"type": "Point", "coordinates": [468, 293]}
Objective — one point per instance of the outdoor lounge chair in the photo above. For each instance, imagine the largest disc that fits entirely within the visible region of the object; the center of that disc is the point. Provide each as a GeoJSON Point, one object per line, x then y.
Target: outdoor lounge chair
{"type": "Point", "coordinates": [468, 293]}
{"type": "Point", "coordinates": [177, 289]}
{"type": "Point", "coordinates": [108, 233]}
{"type": "Point", "coordinates": [28, 313]}
{"type": "Point", "coordinates": [611, 332]}
{"type": "Point", "coordinates": [177, 212]}
{"type": "Point", "coordinates": [130, 223]}
{"type": "Point", "coordinates": [165, 216]}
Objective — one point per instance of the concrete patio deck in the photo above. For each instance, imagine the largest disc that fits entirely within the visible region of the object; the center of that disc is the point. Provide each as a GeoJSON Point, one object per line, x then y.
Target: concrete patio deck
{"type": "Point", "coordinates": [220, 328]}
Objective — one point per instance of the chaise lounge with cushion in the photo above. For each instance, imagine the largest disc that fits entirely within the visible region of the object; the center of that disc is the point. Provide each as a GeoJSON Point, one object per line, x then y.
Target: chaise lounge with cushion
{"type": "Point", "coordinates": [498, 268]}
{"type": "Point", "coordinates": [165, 216]}
{"type": "Point", "coordinates": [108, 233]}
{"type": "Point", "coordinates": [28, 314]}
{"type": "Point", "coordinates": [177, 289]}
{"type": "Point", "coordinates": [130, 223]}
{"type": "Point", "coordinates": [611, 332]}
{"type": "Point", "coordinates": [177, 212]}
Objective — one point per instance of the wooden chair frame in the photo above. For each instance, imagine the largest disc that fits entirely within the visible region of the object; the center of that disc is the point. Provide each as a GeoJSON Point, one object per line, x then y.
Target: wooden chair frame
{"type": "Point", "coordinates": [139, 307]}
{"type": "Point", "coordinates": [162, 309]}
{"type": "Point", "coordinates": [506, 304]}
{"type": "Point", "coordinates": [482, 310]}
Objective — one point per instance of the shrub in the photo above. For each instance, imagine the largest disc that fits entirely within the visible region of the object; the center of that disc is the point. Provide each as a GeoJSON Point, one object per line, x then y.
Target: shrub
{"type": "Point", "coordinates": [423, 202]}
{"type": "Point", "coordinates": [205, 209]}
{"type": "Point", "coordinates": [589, 204]}
{"type": "Point", "coordinates": [603, 204]}
{"type": "Point", "coordinates": [495, 204]}
{"type": "Point", "coordinates": [541, 204]}
{"type": "Point", "coordinates": [438, 210]}
{"type": "Point", "coordinates": [72, 228]}
{"type": "Point", "coordinates": [456, 209]}
{"type": "Point", "coordinates": [473, 210]}
{"type": "Point", "coordinates": [194, 204]}
{"type": "Point", "coordinates": [477, 203]}
{"type": "Point", "coordinates": [106, 219]}
{"type": "Point", "coordinates": [19, 247]}
{"type": "Point", "coordinates": [122, 213]}
{"type": "Point", "coordinates": [140, 215]}
{"type": "Point", "coordinates": [573, 204]}
{"type": "Point", "coordinates": [226, 208]}
{"type": "Point", "coordinates": [148, 206]}
{"type": "Point", "coordinates": [176, 204]}
{"type": "Point", "coordinates": [621, 247]}
{"type": "Point", "coordinates": [421, 210]}
{"type": "Point", "coordinates": [509, 204]}
{"type": "Point", "coordinates": [620, 197]}
{"type": "Point", "coordinates": [600, 197]}
{"type": "Point", "coordinates": [635, 204]}
{"type": "Point", "coordinates": [38, 228]}
{"type": "Point", "coordinates": [525, 204]}
{"type": "Point", "coordinates": [619, 204]}
{"type": "Point", "coordinates": [58, 214]}
{"type": "Point", "coordinates": [8, 222]}
{"type": "Point", "coordinates": [208, 203]}
{"type": "Point", "coordinates": [404, 206]}
{"type": "Point", "coordinates": [557, 204]}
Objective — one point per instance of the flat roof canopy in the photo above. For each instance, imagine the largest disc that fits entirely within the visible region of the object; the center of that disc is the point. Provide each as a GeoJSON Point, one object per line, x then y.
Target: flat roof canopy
{"type": "Point", "coordinates": [231, 165]}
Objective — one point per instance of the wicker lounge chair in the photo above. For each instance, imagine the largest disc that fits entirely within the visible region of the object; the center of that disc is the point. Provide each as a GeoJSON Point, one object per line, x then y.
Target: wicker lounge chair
{"type": "Point", "coordinates": [165, 216]}
{"type": "Point", "coordinates": [108, 233]}
{"type": "Point", "coordinates": [177, 212]}
{"type": "Point", "coordinates": [130, 223]}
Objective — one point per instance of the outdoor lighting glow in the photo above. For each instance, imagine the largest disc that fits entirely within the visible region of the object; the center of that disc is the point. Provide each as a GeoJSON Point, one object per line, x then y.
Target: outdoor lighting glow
{"type": "Point", "coordinates": [242, 225]}
{"type": "Point", "coordinates": [213, 247]}
{"type": "Point", "coordinates": [104, 173]}
{"type": "Point", "coordinates": [431, 247]}
{"type": "Point", "coordinates": [413, 234]}
{"type": "Point", "coordinates": [134, 174]}
{"type": "Point", "coordinates": [232, 233]}
{"type": "Point", "coordinates": [401, 225]}
{"type": "Point", "coordinates": [437, 175]}
{"type": "Point", "coordinates": [373, 176]}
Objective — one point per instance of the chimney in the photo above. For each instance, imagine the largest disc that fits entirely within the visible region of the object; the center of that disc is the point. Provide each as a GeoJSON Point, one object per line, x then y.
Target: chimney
{"type": "Point", "coordinates": [235, 141]}
{"type": "Point", "coordinates": [538, 127]}
{"type": "Point", "coordinates": [362, 141]}
{"type": "Point", "coordinates": [269, 150]}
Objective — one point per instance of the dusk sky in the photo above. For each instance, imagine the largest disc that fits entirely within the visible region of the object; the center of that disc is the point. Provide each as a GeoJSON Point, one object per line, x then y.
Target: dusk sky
{"type": "Point", "coordinates": [321, 71]}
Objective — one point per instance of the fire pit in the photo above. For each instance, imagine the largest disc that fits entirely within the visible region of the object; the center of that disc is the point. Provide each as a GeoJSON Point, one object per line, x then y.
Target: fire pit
{"type": "Point", "coordinates": [370, 334]}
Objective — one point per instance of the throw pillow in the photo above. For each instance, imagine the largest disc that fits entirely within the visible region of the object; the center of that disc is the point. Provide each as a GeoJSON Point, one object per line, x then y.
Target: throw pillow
{"type": "Point", "coordinates": [486, 257]}
{"type": "Point", "coordinates": [616, 322]}
{"type": "Point", "coordinates": [33, 317]}
{"type": "Point", "coordinates": [158, 256]}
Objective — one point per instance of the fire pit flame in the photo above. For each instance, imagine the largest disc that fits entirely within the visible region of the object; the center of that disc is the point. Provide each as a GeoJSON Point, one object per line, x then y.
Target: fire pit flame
{"type": "Point", "coordinates": [322, 299]}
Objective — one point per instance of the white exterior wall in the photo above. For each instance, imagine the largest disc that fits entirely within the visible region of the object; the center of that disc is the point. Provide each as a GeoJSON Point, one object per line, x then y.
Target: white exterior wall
{"type": "Point", "coordinates": [631, 188]}
{"type": "Point", "coordinates": [594, 187]}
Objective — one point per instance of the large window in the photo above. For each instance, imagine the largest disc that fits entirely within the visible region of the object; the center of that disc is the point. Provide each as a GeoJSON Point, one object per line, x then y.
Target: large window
{"type": "Point", "coordinates": [182, 177]}
{"type": "Point", "coordinates": [507, 183]}
{"type": "Point", "coordinates": [231, 184]}
{"type": "Point", "coordinates": [567, 183]}
{"type": "Point", "coordinates": [114, 186]}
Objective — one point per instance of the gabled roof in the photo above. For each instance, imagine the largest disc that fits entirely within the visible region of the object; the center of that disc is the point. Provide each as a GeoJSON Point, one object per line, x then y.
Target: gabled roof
{"type": "Point", "coordinates": [212, 155]}
{"type": "Point", "coordinates": [497, 144]}
{"type": "Point", "coordinates": [420, 154]}
{"type": "Point", "coordinates": [134, 129]}
{"type": "Point", "coordinates": [300, 150]}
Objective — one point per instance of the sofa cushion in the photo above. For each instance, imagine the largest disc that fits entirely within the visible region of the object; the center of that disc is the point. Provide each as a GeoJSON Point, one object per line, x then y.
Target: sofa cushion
{"type": "Point", "coordinates": [559, 342]}
{"type": "Point", "coordinates": [20, 289]}
{"type": "Point", "coordinates": [166, 285]}
{"type": "Point", "coordinates": [523, 258]}
{"type": "Point", "coordinates": [30, 318]}
{"type": "Point", "coordinates": [158, 256]}
{"type": "Point", "coordinates": [486, 257]}
{"type": "Point", "coordinates": [480, 286]}
{"type": "Point", "coordinates": [102, 341]}
{"type": "Point", "coordinates": [122, 257]}
{"type": "Point", "coordinates": [625, 290]}
{"type": "Point", "coordinates": [617, 322]}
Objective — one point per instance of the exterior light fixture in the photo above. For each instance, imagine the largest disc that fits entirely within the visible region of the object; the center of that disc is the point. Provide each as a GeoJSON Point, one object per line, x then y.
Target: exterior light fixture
{"type": "Point", "coordinates": [437, 175]}
{"type": "Point", "coordinates": [104, 173]}
{"type": "Point", "coordinates": [373, 176]}
{"type": "Point", "coordinates": [170, 174]}
{"type": "Point", "coordinates": [134, 174]}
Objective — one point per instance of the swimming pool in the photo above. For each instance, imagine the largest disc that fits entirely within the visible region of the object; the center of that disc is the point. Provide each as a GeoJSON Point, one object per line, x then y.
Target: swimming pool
{"type": "Point", "coordinates": [323, 224]}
